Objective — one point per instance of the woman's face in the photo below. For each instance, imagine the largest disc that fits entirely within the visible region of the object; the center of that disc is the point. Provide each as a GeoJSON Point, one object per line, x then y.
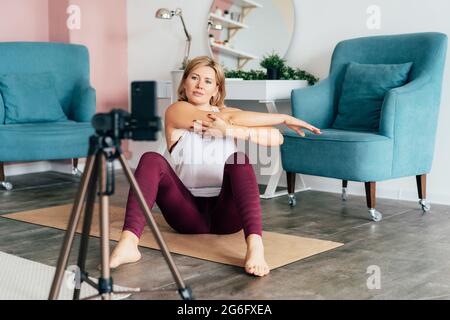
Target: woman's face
{"type": "Point", "coordinates": [201, 85]}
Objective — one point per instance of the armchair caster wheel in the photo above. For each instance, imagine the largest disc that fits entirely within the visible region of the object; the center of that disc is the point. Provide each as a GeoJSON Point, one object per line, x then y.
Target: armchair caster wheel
{"type": "Point", "coordinates": [7, 185]}
{"type": "Point", "coordinates": [376, 215]}
{"type": "Point", "coordinates": [76, 172]}
{"type": "Point", "coordinates": [292, 200]}
{"type": "Point", "coordinates": [425, 206]}
{"type": "Point", "coordinates": [344, 195]}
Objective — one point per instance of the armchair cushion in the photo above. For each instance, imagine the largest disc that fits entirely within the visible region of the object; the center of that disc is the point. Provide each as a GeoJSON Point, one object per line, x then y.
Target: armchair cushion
{"type": "Point", "coordinates": [363, 91]}
{"type": "Point", "coordinates": [340, 154]}
{"type": "Point", "coordinates": [30, 98]}
{"type": "Point", "coordinates": [44, 141]}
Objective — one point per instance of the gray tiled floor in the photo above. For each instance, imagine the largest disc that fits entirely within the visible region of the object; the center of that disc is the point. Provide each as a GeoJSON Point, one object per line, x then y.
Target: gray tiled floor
{"type": "Point", "coordinates": [410, 249]}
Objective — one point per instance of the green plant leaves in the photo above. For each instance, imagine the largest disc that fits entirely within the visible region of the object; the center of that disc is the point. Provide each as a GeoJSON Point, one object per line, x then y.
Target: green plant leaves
{"type": "Point", "coordinates": [273, 61]}
{"type": "Point", "coordinates": [287, 73]}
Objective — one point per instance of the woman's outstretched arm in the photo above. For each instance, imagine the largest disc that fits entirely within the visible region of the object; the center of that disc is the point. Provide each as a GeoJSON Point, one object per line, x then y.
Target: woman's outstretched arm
{"type": "Point", "coordinates": [265, 136]}
{"type": "Point", "coordinates": [262, 135]}
{"type": "Point", "coordinates": [261, 119]}
{"type": "Point", "coordinates": [255, 119]}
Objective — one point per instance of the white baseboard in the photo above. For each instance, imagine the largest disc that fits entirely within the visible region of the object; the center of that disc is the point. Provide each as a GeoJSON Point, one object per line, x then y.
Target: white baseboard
{"type": "Point", "coordinates": [396, 190]}
{"type": "Point", "coordinates": [63, 166]}
{"type": "Point", "coordinates": [24, 168]}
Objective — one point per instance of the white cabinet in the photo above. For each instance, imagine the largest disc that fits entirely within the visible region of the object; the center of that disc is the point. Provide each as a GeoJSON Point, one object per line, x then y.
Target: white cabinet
{"type": "Point", "coordinates": [262, 90]}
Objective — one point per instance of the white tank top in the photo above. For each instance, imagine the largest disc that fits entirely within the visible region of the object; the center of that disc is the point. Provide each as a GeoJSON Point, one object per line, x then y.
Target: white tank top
{"type": "Point", "coordinates": [199, 161]}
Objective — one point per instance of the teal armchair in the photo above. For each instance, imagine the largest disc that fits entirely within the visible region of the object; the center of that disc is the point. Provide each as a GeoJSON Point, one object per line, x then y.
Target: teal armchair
{"type": "Point", "coordinates": [403, 144]}
{"type": "Point", "coordinates": [46, 102]}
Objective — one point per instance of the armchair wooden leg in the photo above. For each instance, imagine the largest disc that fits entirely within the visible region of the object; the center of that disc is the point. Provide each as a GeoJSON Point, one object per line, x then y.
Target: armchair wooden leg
{"type": "Point", "coordinates": [7, 185]}
{"type": "Point", "coordinates": [75, 170]}
{"type": "Point", "coordinates": [422, 192]}
{"type": "Point", "coordinates": [371, 201]}
{"type": "Point", "coordinates": [422, 186]}
{"type": "Point", "coordinates": [2, 172]}
{"type": "Point", "coordinates": [291, 188]}
{"type": "Point", "coordinates": [344, 190]}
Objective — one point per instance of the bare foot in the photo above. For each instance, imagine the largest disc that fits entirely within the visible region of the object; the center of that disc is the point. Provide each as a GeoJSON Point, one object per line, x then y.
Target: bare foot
{"type": "Point", "coordinates": [255, 263]}
{"type": "Point", "coordinates": [126, 250]}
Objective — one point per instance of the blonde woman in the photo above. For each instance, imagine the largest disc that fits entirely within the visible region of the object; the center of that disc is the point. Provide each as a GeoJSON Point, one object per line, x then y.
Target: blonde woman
{"type": "Point", "coordinates": [213, 188]}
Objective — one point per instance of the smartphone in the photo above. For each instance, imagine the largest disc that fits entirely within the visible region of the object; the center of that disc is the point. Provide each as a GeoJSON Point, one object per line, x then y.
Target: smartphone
{"type": "Point", "coordinates": [146, 123]}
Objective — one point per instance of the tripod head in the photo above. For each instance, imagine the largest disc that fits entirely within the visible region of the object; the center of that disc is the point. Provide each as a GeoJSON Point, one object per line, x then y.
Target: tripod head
{"type": "Point", "coordinates": [141, 125]}
{"type": "Point", "coordinates": [120, 124]}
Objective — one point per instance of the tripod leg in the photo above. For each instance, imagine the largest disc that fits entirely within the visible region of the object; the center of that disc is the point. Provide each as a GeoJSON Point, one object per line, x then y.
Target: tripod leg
{"type": "Point", "coordinates": [105, 284]}
{"type": "Point", "coordinates": [182, 289]}
{"type": "Point", "coordinates": [87, 222]}
{"type": "Point", "coordinates": [71, 229]}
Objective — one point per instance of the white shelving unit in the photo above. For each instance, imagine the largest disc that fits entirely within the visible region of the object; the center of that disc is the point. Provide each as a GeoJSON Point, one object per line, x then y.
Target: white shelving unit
{"type": "Point", "coordinates": [233, 27]}
{"type": "Point", "coordinates": [227, 23]}
{"type": "Point", "coordinates": [233, 52]}
{"type": "Point", "coordinates": [246, 3]}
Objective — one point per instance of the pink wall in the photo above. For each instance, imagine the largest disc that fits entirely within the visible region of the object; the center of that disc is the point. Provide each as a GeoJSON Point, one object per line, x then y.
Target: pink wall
{"type": "Point", "coordinates": [24, 20]}
{"type": "Point", "coordinates": [103, 31]}
{"type": "Point", "coordinates": [57, 17]}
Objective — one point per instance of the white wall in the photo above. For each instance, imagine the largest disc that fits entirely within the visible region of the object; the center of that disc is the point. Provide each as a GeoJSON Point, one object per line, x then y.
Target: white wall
{"type": "Point", "coordinates": [156, 47]}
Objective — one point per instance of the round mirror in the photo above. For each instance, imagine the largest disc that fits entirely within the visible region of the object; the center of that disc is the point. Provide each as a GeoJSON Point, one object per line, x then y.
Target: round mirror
{"type": "Point", "coordinates": [241, 32]}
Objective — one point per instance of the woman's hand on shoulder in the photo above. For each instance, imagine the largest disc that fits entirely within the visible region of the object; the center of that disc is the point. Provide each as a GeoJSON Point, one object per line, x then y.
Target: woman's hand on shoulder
{"type": "Point", "coordinates": [181, 115]}
{"type": "Point", "coordinates": [217, 128]}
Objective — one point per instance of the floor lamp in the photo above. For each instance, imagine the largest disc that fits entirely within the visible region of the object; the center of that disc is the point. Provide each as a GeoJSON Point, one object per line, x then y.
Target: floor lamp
{"type": "Point", "coordinates": [164, 13]}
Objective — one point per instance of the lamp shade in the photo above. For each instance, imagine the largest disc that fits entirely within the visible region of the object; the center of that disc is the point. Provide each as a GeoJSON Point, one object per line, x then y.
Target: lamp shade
{"type": "Point", "coordinates": [163, 13]}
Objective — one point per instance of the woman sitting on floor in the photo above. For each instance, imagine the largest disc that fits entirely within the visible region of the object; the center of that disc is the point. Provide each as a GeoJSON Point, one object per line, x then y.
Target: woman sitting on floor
{"type": "Point", "coordinates": [213, 188]}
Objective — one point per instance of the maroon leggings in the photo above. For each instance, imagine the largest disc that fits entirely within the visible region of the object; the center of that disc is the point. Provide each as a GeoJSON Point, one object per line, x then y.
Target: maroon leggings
{"type": "Point", "coordinates": [236, 207]}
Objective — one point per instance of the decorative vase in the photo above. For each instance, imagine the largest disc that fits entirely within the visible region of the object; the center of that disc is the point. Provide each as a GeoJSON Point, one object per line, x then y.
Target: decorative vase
{"type": "Point", "coordinates": [273, 74]}
{"type": "Point", "coordinates": [177, 75]}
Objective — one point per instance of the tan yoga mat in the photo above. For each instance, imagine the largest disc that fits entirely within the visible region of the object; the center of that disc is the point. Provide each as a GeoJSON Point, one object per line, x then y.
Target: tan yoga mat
{"type": "Point", "coordinates": [280, 249]}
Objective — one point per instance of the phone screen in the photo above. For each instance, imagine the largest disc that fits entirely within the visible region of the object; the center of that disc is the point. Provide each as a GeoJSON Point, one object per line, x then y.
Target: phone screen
{"type": "Point", "coordinates": [143, 110]}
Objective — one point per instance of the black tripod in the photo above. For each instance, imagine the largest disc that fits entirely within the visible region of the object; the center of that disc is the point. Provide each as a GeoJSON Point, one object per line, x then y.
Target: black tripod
{"type": "Point", "coordinates": [103, 150]}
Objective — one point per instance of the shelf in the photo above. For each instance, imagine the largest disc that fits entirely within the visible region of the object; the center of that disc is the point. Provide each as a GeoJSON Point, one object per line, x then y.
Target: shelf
{"type": "Point", "coordinates": [232, 28]}
{"type": "Point", "coordinates": [233, 52]}
{"type": "Point", "coordinates": [246, 3]}
{"type": "Point", "coordinates": [227, 23]}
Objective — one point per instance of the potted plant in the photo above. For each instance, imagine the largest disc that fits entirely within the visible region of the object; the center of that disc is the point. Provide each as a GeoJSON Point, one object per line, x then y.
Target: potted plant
{"type": "Point", "coordinates": [274, 65]}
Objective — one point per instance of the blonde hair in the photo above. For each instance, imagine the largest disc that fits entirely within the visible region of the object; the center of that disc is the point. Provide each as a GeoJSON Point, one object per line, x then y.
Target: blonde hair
{"type": "Point", "coordinates": [205, 61]}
